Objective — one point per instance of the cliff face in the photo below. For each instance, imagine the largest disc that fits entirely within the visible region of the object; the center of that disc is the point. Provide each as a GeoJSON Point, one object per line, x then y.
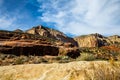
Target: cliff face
{"type": "Point", "coordinates": [18, 43]}
{"type": "Point", "coordinates": [97, 40]}
{"type": "Point", "coordinates": [92, 40]}
{"type": "Point", "coordinates": [51, 33]}
{"type": "Point", "coordinates": [89, 41]}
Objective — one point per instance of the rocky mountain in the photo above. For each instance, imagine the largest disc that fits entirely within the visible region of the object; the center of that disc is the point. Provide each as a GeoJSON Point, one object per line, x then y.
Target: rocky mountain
{"type": "Point", "coordinates": [42, 41]}
{"type": "Point", "coordinates": [18, 30]}
{"type": "Point", "coordinates": [18, 43]}
{"type": "Point", "coordinates": [97, 40]}
{"type": "Point", "coordinates": [51, 33]}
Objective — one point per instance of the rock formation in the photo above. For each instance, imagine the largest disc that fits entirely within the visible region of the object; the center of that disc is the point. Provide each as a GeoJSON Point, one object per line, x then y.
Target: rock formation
{"type": "Point", "coordinates": [50, 33]}
{"type": "Point", "coordinates": [18, 30]}
{"type": "Point", "coordinates": [41, 41]}
{"type": "Point", "coordinates": [97, 40]}
{"type": "Point", "coordinates": [29, 44]}
{"type": "Point", "coordinates": [92, 40]}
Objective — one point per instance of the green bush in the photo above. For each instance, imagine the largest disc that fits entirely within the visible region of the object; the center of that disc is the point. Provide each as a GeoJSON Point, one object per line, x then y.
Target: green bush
{"type": "Point", "coordinates": [19, 60]}
{"type": "Point", "coordinates": [86, 57]}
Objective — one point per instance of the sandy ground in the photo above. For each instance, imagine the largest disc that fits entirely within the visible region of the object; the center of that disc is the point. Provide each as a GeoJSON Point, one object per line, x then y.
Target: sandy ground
{"type": "Point", "coordinates": [79, 70]}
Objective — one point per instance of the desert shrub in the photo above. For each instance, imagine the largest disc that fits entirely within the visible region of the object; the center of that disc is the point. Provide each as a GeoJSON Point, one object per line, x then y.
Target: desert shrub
{"type": "Point", "coordinates": [19, 61]}
{"type": "Point", "coordinates": [44, 60]}
{"type": "Point", "coordinates": [64, 57]}
{"type": "Point", "coordinates": [60, 59]}
{"type": "Point", "coordinates": [86, 57]}
{"type": "Point", "coordinates": [2, 56]}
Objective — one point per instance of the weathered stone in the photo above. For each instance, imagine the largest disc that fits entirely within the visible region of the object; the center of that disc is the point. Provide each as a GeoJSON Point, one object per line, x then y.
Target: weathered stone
{"type": "Point", "coordinates": [26, 44]}
{"type": "Point", "coordinates": [51, 33]}
{"type": "Point", "coordinates": [97, 40]}
{"type": "Point", "coordinates": [71, 52]}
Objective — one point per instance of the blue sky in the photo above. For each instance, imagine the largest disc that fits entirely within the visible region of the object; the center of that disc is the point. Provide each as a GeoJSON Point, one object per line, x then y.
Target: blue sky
{"type": "Point", "coordinates": [73, 17]}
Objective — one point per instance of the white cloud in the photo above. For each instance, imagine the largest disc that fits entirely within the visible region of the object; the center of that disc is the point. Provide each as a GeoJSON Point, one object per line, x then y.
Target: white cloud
{"type": "Point", "coordinates": [14, 18]}
{"type": "Point", "coordinates": [6, 22]}
{"type": "Point", "coordinates": [82, 16]}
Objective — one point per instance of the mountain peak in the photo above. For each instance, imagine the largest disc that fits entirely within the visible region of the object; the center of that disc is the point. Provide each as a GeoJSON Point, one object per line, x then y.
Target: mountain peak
{"type": "Point", "coordinates": [97, 35]}
{"type": "Point", "coordinates": [50, 33]}
{"type": "Point", "coordinates": [18, 30]}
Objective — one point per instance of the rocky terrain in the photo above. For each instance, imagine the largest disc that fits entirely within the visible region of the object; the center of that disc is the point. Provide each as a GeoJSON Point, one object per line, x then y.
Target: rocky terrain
{"type": "Point", "coordinates": [96, 46]}
{"type": "Point", "coordinates": [51, 33]}
{"type": "Point", "coordinates": [14, 44]}
{"type": "Point", "coordinates": [97, 40]}
{"type": "Point", "coordinates": [42, 53]}
{"type": "Point", "coordinates": [33, 45]}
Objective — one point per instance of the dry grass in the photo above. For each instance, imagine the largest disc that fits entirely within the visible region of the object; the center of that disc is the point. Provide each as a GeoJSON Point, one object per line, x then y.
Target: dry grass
{"type": "Point", "coordinates": [86, 57]}
{"type": "Point", "coordinates": [81, 70]}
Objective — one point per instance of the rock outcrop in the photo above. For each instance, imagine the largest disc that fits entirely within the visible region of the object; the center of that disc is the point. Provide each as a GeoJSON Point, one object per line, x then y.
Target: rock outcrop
{"type": "Point", "coordinates": [92, 40]}
{"type": "Point", "coordinates": [50, 33]}
{"type": "Point", "coordinates": [97, 40]}
{"type": "Point", "coordinates": [29, 44]}
{"type": "Point", "coordinates": [69, 50]}
{"type": "Point", "coordinates": [28, 48]}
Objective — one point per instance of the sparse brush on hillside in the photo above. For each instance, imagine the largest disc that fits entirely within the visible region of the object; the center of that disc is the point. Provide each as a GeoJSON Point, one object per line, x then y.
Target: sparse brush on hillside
{"type": "Point", "coordinates": [102, 53]}
{"type": "Point", "coordinates": [86, 57]}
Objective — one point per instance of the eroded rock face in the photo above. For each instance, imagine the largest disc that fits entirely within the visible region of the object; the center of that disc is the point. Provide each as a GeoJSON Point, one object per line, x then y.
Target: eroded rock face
{"type": "Point", "coordinates": [89, 41]}
{"type": "Point", "coordinates": [97, 40]}
{"type": "Point", "coordinates": [92, 40]}
{"type": "Point", "coordinates": [31, 48]}
{"type": "Point", "coordinates": [25, 48]}
{"type": "Point", "coordinates": [51, 33]}
{"type": "Point", "coordinates": [26, 44]}
{"type": "Point", "coordinates": [69, 50]}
